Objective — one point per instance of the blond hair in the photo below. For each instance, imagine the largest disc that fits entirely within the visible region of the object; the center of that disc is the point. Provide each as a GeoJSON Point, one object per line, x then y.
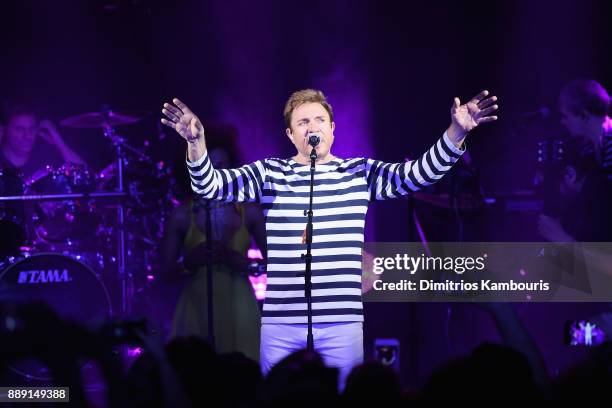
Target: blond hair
{"type": "Point", "coordinates": [303, 96]}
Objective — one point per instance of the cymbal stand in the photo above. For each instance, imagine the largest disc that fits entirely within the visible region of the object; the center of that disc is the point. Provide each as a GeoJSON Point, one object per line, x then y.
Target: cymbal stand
{"type": "Point", "coordinates": [125, 277]}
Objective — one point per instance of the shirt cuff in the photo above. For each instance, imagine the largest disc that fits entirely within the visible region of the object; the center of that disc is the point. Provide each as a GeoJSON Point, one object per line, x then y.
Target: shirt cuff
{"type": "Point", "coordinates": [197, 163]}
{"type": "Point", "coordinates": [452, 146]}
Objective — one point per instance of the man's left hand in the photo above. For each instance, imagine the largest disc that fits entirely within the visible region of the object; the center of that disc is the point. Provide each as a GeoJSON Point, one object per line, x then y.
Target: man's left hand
{"type": "Point", "coordinates": [467, 116]}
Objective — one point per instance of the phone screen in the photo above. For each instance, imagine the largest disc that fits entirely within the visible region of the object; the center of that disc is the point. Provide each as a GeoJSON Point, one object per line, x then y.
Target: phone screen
{"type": "Point", "coordinates": [583, 333]}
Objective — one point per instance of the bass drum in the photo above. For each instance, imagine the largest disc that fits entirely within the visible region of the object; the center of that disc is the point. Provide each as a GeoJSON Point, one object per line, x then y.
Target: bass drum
{"type": "Point", "coordinates": [66, 285]}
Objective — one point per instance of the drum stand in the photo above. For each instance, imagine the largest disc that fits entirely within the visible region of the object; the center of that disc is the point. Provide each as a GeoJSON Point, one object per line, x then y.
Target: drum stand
{"type": "Point", "coordinates": [125, 277]}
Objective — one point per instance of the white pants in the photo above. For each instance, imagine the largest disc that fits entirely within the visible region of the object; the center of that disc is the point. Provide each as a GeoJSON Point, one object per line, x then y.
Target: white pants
{"type": "Point", "coordinates": [340, 344]}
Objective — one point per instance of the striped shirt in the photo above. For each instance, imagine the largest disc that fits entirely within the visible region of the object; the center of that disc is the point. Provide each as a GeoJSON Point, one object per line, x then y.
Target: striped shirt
{"type": "Point", "coordinates": [343, 189]}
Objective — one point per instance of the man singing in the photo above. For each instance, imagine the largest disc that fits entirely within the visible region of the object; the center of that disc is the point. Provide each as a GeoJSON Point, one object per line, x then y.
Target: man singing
{"type": "Point", "coordinates": [343, 189]}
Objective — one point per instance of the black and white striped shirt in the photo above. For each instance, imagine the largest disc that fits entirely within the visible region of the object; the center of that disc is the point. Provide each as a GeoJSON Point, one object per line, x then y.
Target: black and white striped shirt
{"type": "Point", "coordinates": [342, 192]}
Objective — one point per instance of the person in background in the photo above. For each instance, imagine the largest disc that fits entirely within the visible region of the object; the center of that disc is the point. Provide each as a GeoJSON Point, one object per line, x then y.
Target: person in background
{"type": "Point", "coordinates": [235, 308]}
{"type": "Point", "coordinates": [584, 105]}
{"type": "Point", "coordinates": [21, 148]}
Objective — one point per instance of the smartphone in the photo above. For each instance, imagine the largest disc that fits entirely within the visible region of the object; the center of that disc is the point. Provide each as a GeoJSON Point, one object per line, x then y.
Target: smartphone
{"type": "Point", "coordinates": [583, 333]}
{"type": "Point", "coordinates": [387, 352]}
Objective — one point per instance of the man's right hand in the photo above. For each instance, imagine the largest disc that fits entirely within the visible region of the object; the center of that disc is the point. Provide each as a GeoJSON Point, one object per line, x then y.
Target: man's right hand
{"type": "Point", "coordinates": [180, 118]}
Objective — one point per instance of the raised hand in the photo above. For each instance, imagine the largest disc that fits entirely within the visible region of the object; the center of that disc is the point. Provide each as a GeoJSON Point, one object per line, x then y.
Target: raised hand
{"type": "Point", "coordinates": [180, 118]}
{"type": "Point", "coordinates": [466, 117]}
{"type": "Point", "coordinates": [48, 132]}
{"type": "Point", "coordinates": [551, 229]}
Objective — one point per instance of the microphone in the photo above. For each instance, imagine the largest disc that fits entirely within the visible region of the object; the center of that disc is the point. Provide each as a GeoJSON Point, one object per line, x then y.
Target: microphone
{"type": "Point", "coordinates": [314, 139]}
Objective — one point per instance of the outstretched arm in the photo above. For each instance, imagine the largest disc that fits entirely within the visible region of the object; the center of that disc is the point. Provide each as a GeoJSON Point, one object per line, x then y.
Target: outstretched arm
{"type": "Point", "coordinates": [390, 180]}
{"type": "Point", "coordinates": [515, 335]}
{"type": "Point", "coordinates": [243, 184]}
{"type": "Point", "coordinates": [180, 118]}
{"type": "Point", "coordinates": [465, 118]}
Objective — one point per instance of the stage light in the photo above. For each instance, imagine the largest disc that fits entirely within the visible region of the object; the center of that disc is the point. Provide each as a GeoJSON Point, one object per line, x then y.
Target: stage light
{"type": "Point", "coordinates": [259, 285]}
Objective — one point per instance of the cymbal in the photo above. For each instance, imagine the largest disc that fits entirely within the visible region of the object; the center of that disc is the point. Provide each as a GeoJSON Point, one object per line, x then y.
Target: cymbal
{"type": "Point", "coordinates": [102, 119]}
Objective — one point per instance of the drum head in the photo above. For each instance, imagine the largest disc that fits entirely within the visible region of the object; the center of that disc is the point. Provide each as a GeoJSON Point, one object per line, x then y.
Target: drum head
{"type": "Point", "coordinates": [70, 288]}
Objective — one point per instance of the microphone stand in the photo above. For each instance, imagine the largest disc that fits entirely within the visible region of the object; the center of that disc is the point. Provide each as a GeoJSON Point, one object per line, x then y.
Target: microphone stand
{"type": "Point", "coordinates": [308, 256]}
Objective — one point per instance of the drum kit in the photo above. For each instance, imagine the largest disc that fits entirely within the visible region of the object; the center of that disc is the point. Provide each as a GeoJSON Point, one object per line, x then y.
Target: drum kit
{"type": "Point", "coordinates": [85, 242]}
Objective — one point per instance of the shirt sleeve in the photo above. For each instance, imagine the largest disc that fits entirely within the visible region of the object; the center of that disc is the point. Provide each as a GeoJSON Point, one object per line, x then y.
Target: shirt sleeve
{"type": "Point", "coordinates": [243, 184]}
{"type": "Point", "coordinates": [391, 180]}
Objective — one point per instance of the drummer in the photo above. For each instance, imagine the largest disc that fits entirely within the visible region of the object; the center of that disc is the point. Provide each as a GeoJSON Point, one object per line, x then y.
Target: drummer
{"type": "Point", "coordinates": [20, 148]}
